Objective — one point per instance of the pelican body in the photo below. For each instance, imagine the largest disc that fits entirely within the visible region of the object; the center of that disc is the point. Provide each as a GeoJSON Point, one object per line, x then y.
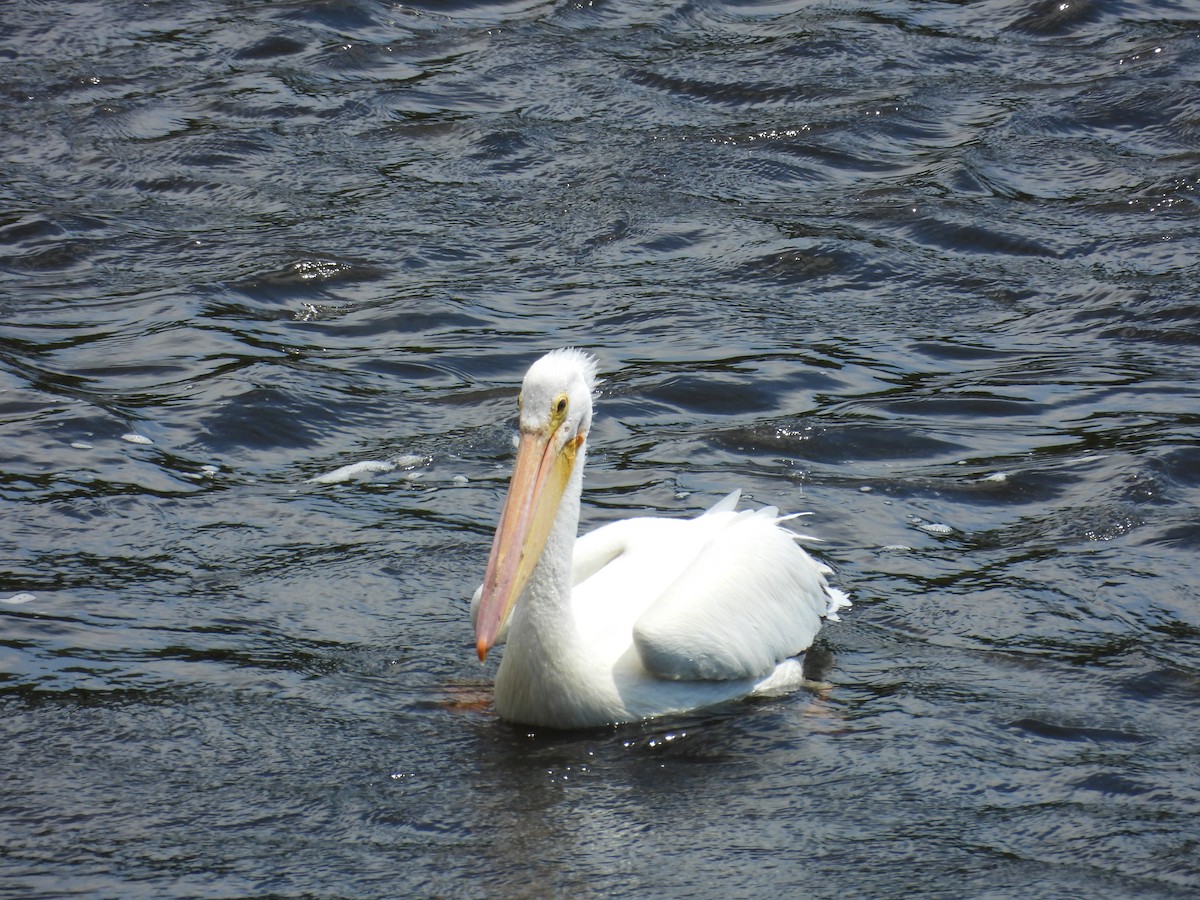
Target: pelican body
{"type": "Point", "coordinates": [642, 617]}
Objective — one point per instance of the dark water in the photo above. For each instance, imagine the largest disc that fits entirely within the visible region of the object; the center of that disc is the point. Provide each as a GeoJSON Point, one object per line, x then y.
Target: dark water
{"type": "Point", "coordinates": [928, 270]}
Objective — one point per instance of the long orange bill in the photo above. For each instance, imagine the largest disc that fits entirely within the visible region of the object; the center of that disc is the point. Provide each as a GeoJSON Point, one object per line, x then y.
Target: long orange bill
{"type": "Point", "coordinates": [538, 480]}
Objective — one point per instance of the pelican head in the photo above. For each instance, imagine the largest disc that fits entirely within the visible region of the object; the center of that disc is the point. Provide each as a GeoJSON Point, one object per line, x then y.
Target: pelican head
{"type": "Point", "coordinates": [555, 407]}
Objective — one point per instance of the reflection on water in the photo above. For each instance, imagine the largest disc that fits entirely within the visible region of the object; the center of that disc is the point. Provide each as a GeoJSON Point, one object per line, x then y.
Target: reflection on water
{"type": "Point", "coordinates": [926, 271]}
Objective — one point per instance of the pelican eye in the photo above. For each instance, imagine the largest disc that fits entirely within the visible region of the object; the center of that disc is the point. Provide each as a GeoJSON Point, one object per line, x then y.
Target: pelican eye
{"type": "Point", "coordinates": [561, 406]}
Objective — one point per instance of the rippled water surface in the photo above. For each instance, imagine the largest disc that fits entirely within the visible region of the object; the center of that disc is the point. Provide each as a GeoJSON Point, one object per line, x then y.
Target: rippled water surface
{"type": "Point", "coordinates": [928, 270]}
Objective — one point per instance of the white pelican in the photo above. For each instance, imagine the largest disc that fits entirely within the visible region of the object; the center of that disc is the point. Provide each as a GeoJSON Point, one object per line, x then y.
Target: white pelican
{"type": "Point", "coordinates": [641, 617]}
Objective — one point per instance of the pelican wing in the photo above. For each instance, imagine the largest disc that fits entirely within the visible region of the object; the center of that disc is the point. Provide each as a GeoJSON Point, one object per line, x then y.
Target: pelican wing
{"type": "Point", "coordinates": [750, 599]}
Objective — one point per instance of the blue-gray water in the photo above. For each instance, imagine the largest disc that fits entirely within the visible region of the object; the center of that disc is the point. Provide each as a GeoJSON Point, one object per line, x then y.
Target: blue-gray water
{"type": "Point", "coordinates": [928, 270]}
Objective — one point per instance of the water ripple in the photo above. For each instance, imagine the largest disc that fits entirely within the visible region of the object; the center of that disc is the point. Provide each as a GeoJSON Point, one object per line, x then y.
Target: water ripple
{"type": "Point", "coordinates": [925, 271]}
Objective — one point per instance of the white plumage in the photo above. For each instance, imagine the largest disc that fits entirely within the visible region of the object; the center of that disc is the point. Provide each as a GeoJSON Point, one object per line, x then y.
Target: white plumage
{"type": "Point", "coordinates": [642, 617]}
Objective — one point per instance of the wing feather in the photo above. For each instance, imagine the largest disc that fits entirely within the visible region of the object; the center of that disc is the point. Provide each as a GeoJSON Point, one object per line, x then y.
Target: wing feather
{"type": "Point", "coordinates": [750, 599]}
